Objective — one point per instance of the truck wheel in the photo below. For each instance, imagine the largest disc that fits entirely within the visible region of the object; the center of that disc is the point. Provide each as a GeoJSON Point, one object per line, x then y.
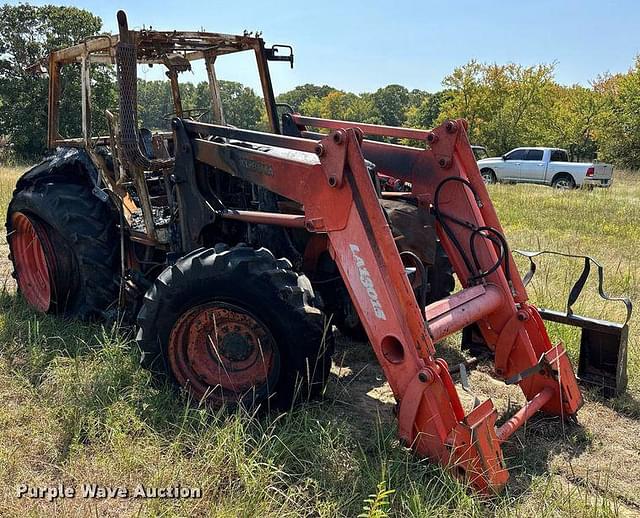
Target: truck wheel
{"type": "Point", "coordinates": [488, 176]}
{"type": "Point", "coordinates": [235, 326]}
{"type": "Point", "coordinates": [64, 247]}
{"type": "Point", "coordinates": [563, 181]}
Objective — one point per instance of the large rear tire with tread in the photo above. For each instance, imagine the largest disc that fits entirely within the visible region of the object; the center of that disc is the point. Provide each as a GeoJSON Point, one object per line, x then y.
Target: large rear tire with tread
{"type": "Point", "coordinates": [440, 276]}
{"type": "Point", "coordinates": [441, 282]}
{"type": "Point", "coordinates": [236, 326]}
{"type": "Point", "coordinates": [64, 247]}
{"type": "Point", "coordinates": [413, 232]}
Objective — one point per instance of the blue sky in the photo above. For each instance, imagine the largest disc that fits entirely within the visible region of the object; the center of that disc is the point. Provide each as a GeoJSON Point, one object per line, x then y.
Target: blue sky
{"type": "Point", "coordinates": [363, 45]}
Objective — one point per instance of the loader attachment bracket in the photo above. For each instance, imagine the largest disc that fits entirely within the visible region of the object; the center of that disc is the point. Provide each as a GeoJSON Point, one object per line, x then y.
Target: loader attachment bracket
{"type": "Point", "coordinates": [475, 448]}
{"type": "Point", "coordinates": [603, 344]}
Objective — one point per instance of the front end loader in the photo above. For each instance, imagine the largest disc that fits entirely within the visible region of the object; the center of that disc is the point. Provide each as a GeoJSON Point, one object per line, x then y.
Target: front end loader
{"type": "Point", "coordinates": [329, 177]}
{"type": "Point", "coordinates": [236, 250]}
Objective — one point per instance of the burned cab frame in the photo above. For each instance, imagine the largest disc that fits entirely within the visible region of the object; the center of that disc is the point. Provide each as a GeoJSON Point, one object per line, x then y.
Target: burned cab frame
{"type": "Point", "coordinates": [173, 49]}
{"type": "Point", "coordinates": [129, 156]}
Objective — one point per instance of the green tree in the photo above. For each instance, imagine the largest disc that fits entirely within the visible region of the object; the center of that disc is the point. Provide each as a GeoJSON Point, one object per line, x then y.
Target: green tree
{"type": "Point", "coordinates": [362, 108]}
{"type": "Point", "coordinates": [201, 98]}
{"type": "Point", "coordinates": [241, 106]}
{"type": "Point", "coordinates": [417, 97]}
{"type": "Point", "coordinates": [154, 103]}
{"type": "Point", "coordinates": [300, 94]}
{"type": "Point", "coordinates": [391, 103]}
{"type": "Point", "coordinates": [502, 103]}
{"type": "Point", "coordinates": [334, 105]}
{"type": "Point", "coordinates": [618, 127]}
{"type": "Point", "coordinates": [342, 106]}
{"type": "Point", "coordinates": [570, 119]}
{"type": "Point", "coordinates": [27, 34]}
{"type": "Point", "coordinates": [425, 114]}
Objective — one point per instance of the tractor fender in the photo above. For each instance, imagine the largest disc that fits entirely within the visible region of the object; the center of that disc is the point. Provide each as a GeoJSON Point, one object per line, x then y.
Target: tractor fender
{"type": "Point", "coordinates": [69, 164]}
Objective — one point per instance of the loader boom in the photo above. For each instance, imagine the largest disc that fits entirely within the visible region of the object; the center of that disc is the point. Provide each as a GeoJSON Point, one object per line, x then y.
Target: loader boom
{"type": "Point", "coordinates": [328, 176]}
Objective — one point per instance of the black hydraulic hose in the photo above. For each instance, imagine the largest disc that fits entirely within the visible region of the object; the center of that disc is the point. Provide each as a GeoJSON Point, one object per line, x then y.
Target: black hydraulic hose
{"type": "Point", "coordinates": [456, 179]}
{"type": "Point", "coordinates": [441, 217]}
{"type": "Point", "coordinates": [499, 241]}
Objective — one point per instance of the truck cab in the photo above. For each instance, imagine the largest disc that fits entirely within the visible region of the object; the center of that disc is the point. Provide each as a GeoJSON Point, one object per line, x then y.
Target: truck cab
{"type": "Point", "coordinates": [546, 166]}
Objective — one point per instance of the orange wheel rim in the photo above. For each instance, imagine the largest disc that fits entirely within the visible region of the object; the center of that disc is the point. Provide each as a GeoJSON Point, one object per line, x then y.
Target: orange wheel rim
{"type": "Point", "coordinates": [28, 243]}
{"type": "Point", "coordinates": [223, 354]}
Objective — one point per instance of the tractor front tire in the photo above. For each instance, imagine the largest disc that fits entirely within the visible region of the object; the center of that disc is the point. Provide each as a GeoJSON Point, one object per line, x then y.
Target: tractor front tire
{"type": "Point", "coordinates": [235, 326]}
{"type": "Point", "coordinates": [64, 246]}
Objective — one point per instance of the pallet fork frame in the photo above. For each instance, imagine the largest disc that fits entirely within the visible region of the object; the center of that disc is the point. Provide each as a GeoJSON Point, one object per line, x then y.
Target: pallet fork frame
{"type": "Point", "coordinates": [603, 344]}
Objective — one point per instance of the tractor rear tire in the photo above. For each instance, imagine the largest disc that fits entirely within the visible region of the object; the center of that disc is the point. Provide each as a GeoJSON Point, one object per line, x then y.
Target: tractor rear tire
{"type": "Point", "coordinates": [64, 247]}
{"type": "Point", "coordinates": [440, 276]}
{"type": "Point", "coordinates": [411, 234]}
{"type": "Point", "coordinates": [235, 326]}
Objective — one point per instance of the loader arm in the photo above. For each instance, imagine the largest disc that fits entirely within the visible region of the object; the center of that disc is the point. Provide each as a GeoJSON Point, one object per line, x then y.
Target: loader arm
{"type": "Point", "coordinates": [328, 176]}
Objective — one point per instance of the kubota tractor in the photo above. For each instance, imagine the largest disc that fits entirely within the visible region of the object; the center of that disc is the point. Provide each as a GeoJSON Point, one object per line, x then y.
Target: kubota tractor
{"type": "Point", "coordinates": [237, 250]}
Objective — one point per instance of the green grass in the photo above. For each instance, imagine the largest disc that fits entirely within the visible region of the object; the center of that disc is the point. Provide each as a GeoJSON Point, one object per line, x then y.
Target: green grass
{"type": "Point", "coordinates": [75, 408]}
{"type": "Point", "coordinates": [604, 224]}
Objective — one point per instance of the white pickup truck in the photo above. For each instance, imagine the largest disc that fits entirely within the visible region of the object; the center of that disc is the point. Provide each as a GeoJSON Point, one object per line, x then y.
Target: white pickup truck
{"type": "Point", "coordinates": [543, 165]}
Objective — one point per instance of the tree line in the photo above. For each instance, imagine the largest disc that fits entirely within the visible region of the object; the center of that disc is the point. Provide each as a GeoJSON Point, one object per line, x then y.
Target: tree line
{"type": "Point", "coordinates": [506, 105]}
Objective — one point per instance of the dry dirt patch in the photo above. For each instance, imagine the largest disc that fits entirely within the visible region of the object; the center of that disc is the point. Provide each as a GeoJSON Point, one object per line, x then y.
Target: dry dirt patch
{"type": "Point", "coordinates": [601, 454]}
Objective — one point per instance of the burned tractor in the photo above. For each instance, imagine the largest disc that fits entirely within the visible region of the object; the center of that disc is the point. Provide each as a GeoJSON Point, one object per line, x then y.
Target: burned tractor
{"type": "Point", "coordinates": [237, 251]}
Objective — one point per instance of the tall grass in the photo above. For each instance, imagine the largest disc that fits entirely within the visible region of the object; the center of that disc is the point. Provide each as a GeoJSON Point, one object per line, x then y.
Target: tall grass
{"type": "Point", "coordinates": [604, 224]}
{"type": "Point", "coordinates": [75, 408]}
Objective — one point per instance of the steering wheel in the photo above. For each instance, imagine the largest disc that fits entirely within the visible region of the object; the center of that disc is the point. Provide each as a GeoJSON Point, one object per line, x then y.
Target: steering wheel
{"type": "Point", "coordinates": [191, 113]}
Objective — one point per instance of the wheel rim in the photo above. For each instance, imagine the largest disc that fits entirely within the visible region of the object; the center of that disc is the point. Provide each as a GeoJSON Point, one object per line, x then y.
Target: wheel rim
{"type": "Point", "coordinates": [563, 184]}
{"type": "Point", "coordinates": [28, 244]}
{"type": "Point", "coordinates": [223, 354]}
{"type": "Point", "coordinates": [487, 178]}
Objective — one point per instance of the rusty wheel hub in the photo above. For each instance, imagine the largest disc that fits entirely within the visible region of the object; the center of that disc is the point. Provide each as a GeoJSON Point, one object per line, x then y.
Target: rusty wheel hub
{"type": "Point", "coordinates": [29, 242]}
{"type": "Point", "coordinates": [223, 353]}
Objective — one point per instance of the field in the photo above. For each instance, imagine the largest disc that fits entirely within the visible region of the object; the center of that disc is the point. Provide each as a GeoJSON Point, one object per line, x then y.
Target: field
{"type": "Point", "coordinates": [75, 408]}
